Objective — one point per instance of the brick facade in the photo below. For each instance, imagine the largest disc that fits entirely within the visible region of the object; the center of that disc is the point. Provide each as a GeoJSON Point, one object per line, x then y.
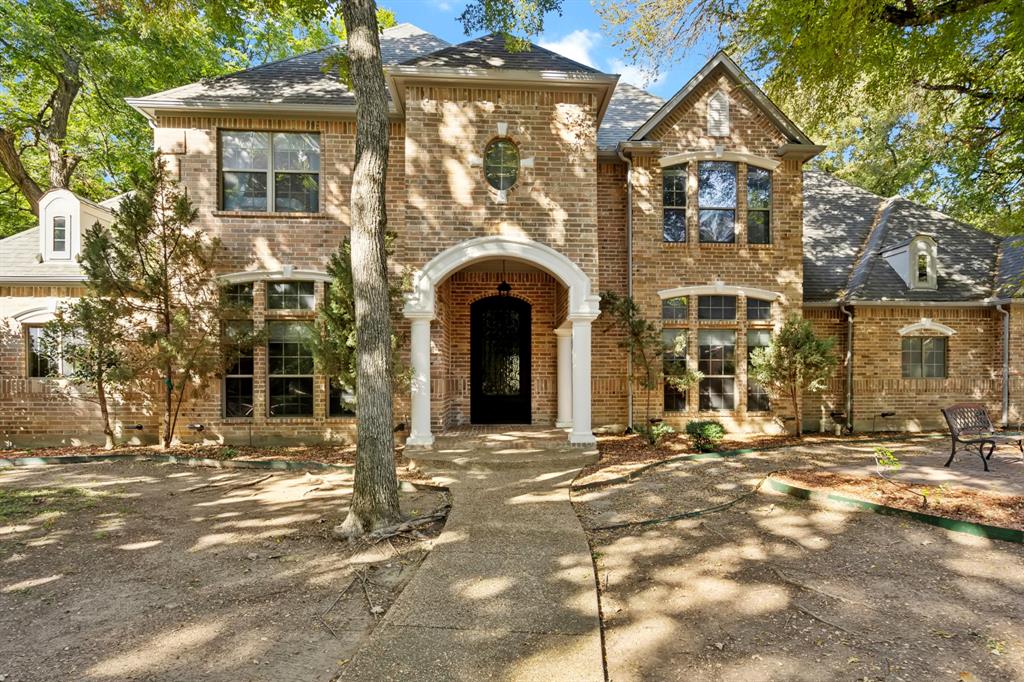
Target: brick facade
{"type": "Point", "coordinates": [569, 198]}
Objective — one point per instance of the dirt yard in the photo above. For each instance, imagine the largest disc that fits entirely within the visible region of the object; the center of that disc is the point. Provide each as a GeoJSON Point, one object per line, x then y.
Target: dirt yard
{"type": "Point", "coordinates": [775, 588]}
{"type": "Point", "coordinates": [147, 571]}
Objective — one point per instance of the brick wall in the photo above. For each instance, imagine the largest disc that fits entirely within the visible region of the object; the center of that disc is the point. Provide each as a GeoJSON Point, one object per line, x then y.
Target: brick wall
{"type": "Point", "coordinates": [658, 265]}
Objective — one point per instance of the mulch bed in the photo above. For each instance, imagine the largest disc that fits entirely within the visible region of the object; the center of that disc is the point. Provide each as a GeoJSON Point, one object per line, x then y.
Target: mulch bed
{"type": "Point", "coordinates": [633, 449]}
{"type": "Point", "coordinates": [963, 504]}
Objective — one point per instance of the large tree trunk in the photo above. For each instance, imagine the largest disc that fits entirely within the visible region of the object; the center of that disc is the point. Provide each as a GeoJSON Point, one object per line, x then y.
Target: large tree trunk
{"type": "Point", "coordinates": [375, 490]}
{"type": "Point", "coordinates": [10, 161]}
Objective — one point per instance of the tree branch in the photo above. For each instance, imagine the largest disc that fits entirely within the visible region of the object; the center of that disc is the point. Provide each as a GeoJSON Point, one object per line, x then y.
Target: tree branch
{"type": "Point", "coordinates": [909, 15]}
{"type": "Point", "coordinates": [11, 162]}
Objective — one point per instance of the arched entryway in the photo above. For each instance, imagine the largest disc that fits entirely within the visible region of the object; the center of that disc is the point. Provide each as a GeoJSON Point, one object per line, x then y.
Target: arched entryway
{"type": "Point", "coordinates": [500, 358]}
{"type": "Point", "coordinates": [579, 308]}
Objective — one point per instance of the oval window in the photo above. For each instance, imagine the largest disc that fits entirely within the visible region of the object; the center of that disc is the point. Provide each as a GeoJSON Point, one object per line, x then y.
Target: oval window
{"type": "Point", "coordinates": [501, 164]}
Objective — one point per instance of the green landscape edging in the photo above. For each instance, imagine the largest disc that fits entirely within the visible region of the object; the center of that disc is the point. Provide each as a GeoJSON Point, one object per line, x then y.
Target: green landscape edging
{"type": "Point", "coordinates": [698, 456]}
{"type": "Point", "coordinates": [278, 465]}
{"type": "Point", "coordinates": [978, 529]}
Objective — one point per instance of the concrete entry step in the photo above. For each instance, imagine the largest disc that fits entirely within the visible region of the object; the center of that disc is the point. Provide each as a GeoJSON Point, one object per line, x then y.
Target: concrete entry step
{"type": "Point", "coordinates": [501, 447]}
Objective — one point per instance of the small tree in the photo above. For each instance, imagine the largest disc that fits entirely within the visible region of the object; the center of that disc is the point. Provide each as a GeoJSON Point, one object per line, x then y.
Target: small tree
{"type": "Point", "coordinates": [642, 341]}
{"type": "Point", "coordinates": [161, 270]}
{"type": "Point", "coordinates": [797, 361]}
{"type": "Point", "coordinates": [334, 345]}
{"type": "Point", "coordinates": [90, 337]}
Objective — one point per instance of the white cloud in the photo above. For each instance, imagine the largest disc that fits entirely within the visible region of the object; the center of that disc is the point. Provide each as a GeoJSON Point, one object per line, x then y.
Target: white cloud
{"type": "Point", "coordinates": [634, 75]}
{"type": "Point", "coordinates": [576, 46]}
{"type": "Point", "coordinates": [443, 5]}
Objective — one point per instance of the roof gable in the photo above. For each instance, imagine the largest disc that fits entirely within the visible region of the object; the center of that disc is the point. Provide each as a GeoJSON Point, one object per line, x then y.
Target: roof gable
{"type": "Point", "coordinates": [758, 97]}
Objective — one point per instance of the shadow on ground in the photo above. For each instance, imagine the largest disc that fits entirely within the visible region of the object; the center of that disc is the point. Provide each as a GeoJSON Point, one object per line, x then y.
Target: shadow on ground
{"type": "Point", "coordinates": [161, 572]}
{"type": "Point", "coordinates": [777, 588]}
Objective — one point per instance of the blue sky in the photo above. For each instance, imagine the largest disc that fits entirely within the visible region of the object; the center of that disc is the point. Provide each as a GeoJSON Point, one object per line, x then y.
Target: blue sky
{"type": "Point", "coordinates": [577, 34]}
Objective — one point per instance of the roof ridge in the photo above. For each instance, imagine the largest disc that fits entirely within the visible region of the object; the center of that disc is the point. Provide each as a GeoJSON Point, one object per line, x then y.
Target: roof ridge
{"type": "Point", "coordinates": [866, 257]}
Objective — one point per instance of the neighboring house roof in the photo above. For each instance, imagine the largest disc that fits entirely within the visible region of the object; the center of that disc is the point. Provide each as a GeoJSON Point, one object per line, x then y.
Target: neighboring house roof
{"type": "Point", "coordinates": [837, 219]}
{"type": "Point", "coordinates": [489, 52]}
{"type": "Point", "coordinates": [296, 81]}
{"type": "Point", "coordinates": [847, 231]}
{"type": "Point", "coordinates": [19, 261]}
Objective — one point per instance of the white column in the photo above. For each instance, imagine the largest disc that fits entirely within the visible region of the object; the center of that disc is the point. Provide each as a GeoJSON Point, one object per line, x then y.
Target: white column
{"type": "Point", "coordinates": [420, 434]}
{"type": "Point", "coordinates": [564, 344]}
{"type": "Point", "coordinates": [582, 433]}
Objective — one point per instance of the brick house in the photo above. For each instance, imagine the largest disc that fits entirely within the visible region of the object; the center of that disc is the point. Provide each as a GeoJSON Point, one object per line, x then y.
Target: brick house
{"type": "Point", "coordinates": [521, 185]}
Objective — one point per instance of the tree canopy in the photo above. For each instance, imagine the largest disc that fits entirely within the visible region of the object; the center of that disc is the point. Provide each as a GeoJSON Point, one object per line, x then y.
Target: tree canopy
{"type": "Point", "coordinates": [67, 65]}
{"type": "Point", "coordinates": [923, 98]}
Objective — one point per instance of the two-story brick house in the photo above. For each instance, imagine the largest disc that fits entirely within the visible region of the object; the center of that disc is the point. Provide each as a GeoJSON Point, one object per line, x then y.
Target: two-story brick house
{"type": "Point", "coordinates": [520, 186]}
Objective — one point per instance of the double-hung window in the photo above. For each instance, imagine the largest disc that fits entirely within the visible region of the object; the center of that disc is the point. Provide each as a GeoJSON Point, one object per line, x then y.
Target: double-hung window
{"type": "Point", "coordinates": [44, 361]}
{"type": "Point", "coordinates": [289, 369]}
{"type": "Point", "coordinates": [673, 364]}
{"type": "Point", "coordinates": [924, 357]}
{"type": "Point", "coordinates": [716, 200]}
{"type": "Point", "coordinates": [717, 362]}
{"type": "Point", "coordinates": [673, 201]}
{"type": "Point", "coordinates": [238, 377]}
{"type": "Point", "coordinates": [758, 309]}
{"type": "Point", "coordinates": [262, 171]}
{"type": "Point", "coordinates": [757, 396]}
{"type": "Point", "coordinates": [759, 205]}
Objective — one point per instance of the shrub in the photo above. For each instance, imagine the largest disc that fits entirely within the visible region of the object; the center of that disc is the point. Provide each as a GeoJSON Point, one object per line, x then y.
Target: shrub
{"type": "Point", "coordinates": [705, 434]}
{"type": "Point", "coordinates": [655, 432]}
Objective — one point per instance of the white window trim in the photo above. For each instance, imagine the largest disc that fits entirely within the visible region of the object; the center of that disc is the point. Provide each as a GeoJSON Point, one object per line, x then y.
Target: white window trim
{"type": "Point", "coordinates": [927, 325]}
{"type": "Point", "coordinates": [720, 154]}
{"type": "Point", "coordinates": [719, 288]}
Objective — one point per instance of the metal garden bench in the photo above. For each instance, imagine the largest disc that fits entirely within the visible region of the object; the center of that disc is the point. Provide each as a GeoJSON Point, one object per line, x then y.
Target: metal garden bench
{"type": "Point", "coordinates": [972, 430]}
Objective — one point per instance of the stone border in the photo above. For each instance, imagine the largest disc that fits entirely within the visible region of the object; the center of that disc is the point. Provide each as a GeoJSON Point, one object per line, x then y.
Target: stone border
{"type": "Point", "coordinates": [829, 498]}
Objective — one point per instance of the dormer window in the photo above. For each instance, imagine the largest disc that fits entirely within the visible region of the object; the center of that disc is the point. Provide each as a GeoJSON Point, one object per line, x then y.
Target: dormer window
{"type": "Point", "coordinates": [60, 235]}
{"type": "Point", "coordinates": [718, 114]}
{"type": "Point", "coordinates": [923, 263]}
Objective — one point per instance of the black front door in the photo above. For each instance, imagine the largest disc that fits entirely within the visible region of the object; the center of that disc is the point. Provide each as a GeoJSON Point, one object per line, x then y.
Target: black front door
{"type": "Point", "coordinates": [499, 339]}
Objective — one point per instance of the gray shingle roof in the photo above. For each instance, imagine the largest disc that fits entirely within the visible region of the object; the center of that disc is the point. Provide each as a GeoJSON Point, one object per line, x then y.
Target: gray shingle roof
{"type": "Point", "coordinates": [1010, 278]}
{"type": "Point", "coordinates": [489, 52]}
{"type": "Point", "coordinates": [837, 219]}
{"type": "Point", "coordinates": [300, 79]}
{"type": "Point", "coordinates": [628, 109]}
{"type": "Point", "coordinates": [19, 260]}
{"type": "Point", "coordinates": [966, 256]}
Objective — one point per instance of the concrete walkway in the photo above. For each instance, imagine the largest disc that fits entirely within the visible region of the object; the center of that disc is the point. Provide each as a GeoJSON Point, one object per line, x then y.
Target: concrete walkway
{"type": "Point", "coordinates": [508, 592]}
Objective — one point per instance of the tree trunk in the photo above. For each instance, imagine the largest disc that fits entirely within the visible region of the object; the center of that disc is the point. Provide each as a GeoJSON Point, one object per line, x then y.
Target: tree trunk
{"type": "Point", "coordinates": [375, 489]}
{"type": "Point", "coordinates": [10, 161]}
{"type": "Point", "coordinates": [797, 412]}
{"type": "Point", "coordinates": [101, 397]}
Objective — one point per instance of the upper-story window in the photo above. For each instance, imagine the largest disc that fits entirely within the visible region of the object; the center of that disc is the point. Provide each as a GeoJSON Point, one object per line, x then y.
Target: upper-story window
{"type": "Point", "coordinates": [716, 307]}
{"type": "Point", "coordinates": [261, 170]}
{"type": "Point", "coordinates": [290, 295]}
{"type": "Point", "coordinates": [501, 164]}
{"type": "Point", "coordinates": [718, 114]}
{"type": "Point", "coordinates": [673, 201]}
{"type": "Point", "coordinates": [59, 243]}
{"type": "Point", "coordinates": [759, 205]}
{"type": "Point", "coordinates": [716, 199]}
